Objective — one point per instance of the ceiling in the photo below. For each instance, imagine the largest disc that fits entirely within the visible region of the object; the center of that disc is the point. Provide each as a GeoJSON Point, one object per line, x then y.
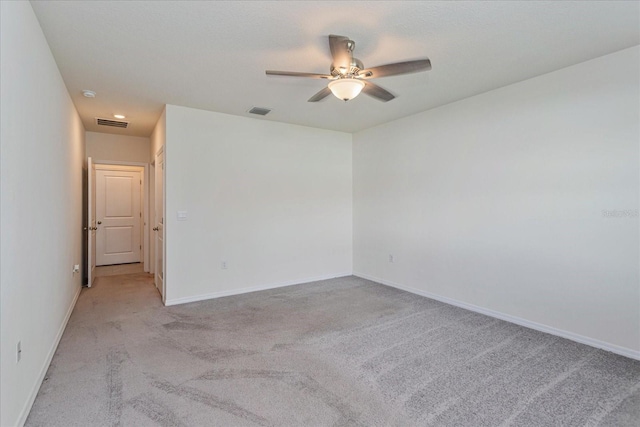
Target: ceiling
{"type": "Point", "coordinates": [140, 55]}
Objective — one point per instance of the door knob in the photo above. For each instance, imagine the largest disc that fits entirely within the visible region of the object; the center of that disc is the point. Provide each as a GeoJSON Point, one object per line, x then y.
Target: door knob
{"type": "Point", "coordinates": [99, 222]}
{"type": "Point", "coordinates": [155, 228]}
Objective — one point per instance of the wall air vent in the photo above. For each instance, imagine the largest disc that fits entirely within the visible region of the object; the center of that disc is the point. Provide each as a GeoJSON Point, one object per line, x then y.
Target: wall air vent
{"type": "Point", "coordinates": [260, 111]}
{"type": "Point", "coordinates": [112, 123]}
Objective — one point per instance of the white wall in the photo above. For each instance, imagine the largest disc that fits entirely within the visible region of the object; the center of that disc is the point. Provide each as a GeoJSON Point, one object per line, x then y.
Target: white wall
{"type": "Point", "coordinates": [42, 147]}
{"type": "Point", "coordinates": [121, 148]}
{"type": "Point", "coordinates": [273, 200]}
{"type": "Point", "coordinates": [497, 201]}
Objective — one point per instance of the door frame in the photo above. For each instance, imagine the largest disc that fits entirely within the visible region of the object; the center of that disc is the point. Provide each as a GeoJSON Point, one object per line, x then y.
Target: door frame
{"type": "Point", "coordinates": [146, 225]}
{"type": "Point", "coordinates": [160, 151]}
{"type": "Point", "coordinates": [90, 221]}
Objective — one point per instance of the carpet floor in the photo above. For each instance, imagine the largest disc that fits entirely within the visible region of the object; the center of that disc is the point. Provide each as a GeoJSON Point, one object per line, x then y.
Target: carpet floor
{"type": "Point", "coordinates": [341, 352]}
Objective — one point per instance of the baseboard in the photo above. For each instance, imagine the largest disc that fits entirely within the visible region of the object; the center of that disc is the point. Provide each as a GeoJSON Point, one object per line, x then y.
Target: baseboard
{"type": "Point", "coordinates": [623, 351]}
{"type": "Point", "coordinates": [34, 392]}
{"type": "Point", "coordinates": [231, 292]}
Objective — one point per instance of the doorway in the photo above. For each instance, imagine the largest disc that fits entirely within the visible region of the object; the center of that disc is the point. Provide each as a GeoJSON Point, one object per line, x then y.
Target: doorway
{"type": "Point", "coordinates": [159, 248]}
{"type": "Point", "coordinates": [119, 206]}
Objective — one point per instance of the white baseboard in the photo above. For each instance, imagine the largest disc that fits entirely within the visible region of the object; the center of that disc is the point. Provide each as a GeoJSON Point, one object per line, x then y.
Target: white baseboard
{"type": "Point", "coordinates": [623, 351]}
{"type": "Point", "coordinates": [230, 292]}
{"type": "Point", "coordinates": [43, 371]}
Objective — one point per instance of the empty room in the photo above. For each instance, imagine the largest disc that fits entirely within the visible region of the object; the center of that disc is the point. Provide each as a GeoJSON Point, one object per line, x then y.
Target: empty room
{"type": "Point", "coordinates": [320, 213]}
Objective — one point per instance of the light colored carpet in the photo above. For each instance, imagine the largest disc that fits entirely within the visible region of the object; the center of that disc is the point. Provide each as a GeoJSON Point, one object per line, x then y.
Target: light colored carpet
{"type": "Point", "coordinates": [332, 353]}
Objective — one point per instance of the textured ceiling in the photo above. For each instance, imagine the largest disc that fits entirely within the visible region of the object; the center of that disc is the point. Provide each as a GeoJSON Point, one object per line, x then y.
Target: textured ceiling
{"type": "Point", "coordinates": [141, 55]}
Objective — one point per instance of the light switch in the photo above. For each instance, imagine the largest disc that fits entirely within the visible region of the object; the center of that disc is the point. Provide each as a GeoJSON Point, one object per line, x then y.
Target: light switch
{"type": "Point", "coordinates": [182, 215]}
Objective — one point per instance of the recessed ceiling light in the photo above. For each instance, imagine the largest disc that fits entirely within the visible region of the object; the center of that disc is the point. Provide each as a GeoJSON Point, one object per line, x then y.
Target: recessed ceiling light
{"type": "Point", "coordinates": [118, 116]}
{"type": "Point", "coordinates": [89, 93]}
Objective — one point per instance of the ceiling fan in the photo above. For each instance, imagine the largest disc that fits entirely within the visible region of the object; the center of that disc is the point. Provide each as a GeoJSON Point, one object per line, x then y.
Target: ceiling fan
{"type": "Point", "coordinates": [349, 77]}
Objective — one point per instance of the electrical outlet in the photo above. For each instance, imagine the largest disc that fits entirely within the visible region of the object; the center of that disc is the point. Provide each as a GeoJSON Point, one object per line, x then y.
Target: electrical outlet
{"type": "Point", "coordinates": [223, 265]}
{"type": "Point", "coordinates": [19, 351]}
{"type": "Point", "coordinates": [391, 258]}
{"type": "Point", "coordinates": [76, 268]}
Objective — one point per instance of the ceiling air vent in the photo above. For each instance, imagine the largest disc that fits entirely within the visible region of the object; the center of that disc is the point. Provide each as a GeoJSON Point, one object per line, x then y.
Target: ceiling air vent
{"type": "Point", "coordinates": [112, 123]}
{"type": "Point", "coordinates": [260, 111]}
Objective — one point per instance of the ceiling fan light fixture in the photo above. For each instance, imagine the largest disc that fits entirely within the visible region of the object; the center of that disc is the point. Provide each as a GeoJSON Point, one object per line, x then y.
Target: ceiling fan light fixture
{"type": "Point", "coordinates": [346, 89]}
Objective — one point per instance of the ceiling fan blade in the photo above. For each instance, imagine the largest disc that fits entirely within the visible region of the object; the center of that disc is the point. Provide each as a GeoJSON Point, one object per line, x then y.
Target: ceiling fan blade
{"type": "Point", "coordinates": [337, 44]}
{"type": "Point", "coordinates": [339, 52]}
{"type": "Point", "coordinates": [297, 74]}
{"type": "Point", "coordinates": [320, 95]}
{"type": "Point", "coordinates": [397, 68]}
{"type": "Point", "coordinates": [377, 92]}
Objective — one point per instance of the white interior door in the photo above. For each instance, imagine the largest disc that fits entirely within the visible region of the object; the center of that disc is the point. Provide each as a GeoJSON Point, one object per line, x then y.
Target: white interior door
{"type": "Point", "coordinates": [91, 219]}
{"type": "Point", "coordinates": [119, 216]}
{"type": "Point", "coordinates": [159, 221]}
